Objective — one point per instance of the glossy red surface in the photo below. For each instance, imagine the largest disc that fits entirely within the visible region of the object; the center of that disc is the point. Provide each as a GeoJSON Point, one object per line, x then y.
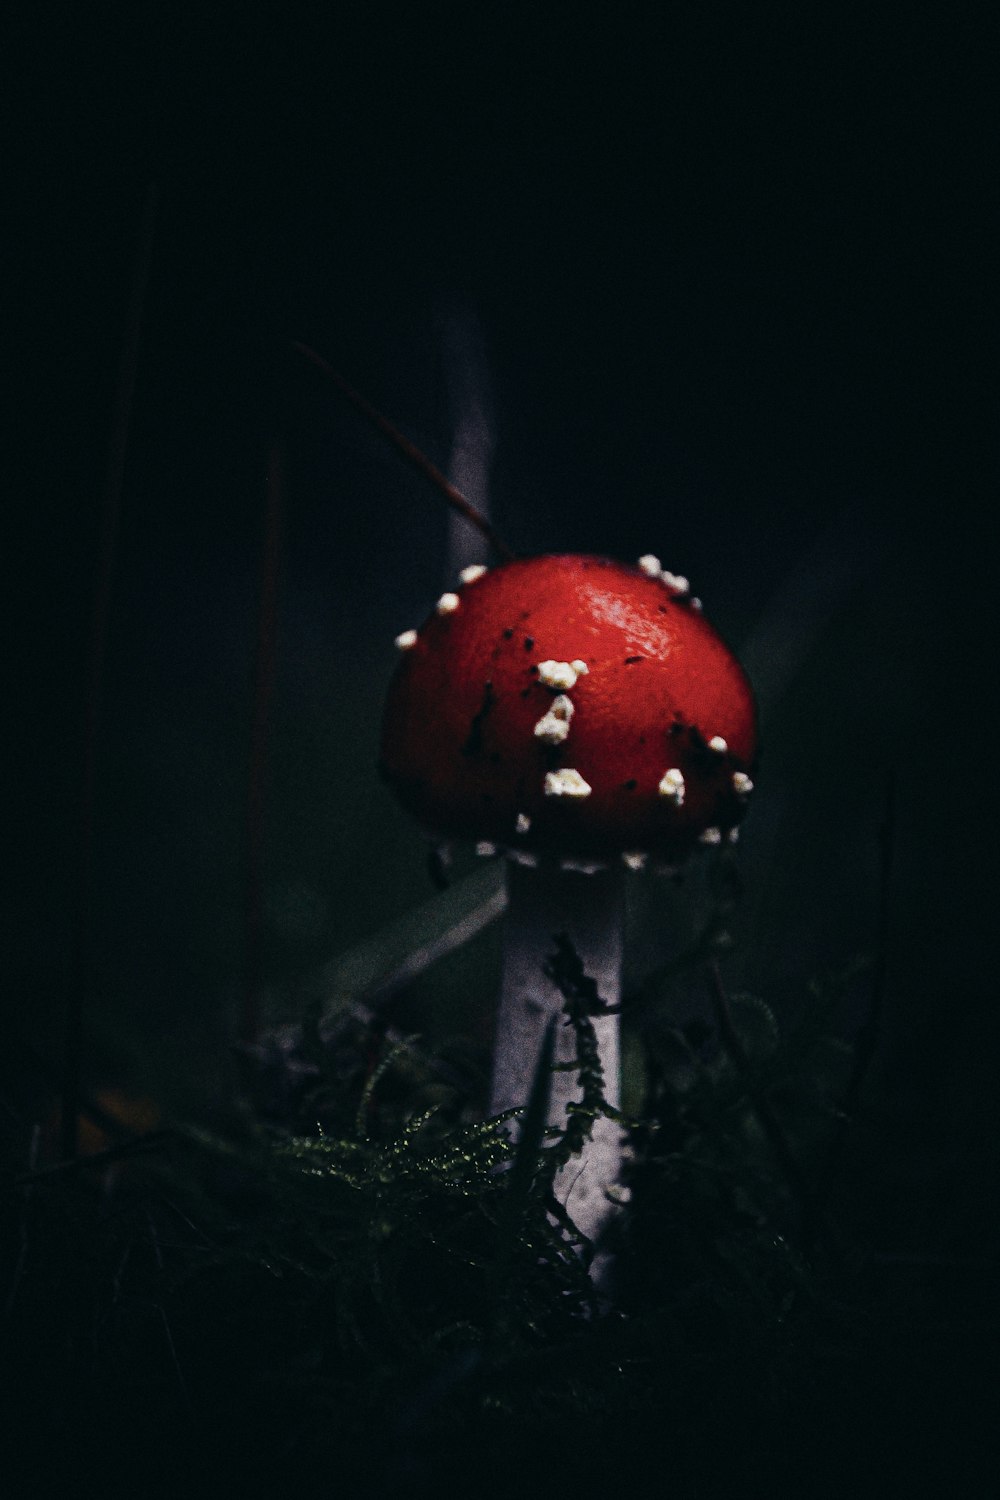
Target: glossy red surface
{"type": "Point", "coordinates": [458, 743]}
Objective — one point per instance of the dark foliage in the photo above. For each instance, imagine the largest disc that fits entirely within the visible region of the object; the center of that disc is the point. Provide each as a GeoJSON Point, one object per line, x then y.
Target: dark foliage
{"type": "Point", "coordinates": [347, 1293]}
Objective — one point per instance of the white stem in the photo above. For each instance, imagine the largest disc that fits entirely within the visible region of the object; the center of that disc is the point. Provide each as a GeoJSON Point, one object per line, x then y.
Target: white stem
{"type": "Point", "coordinates": [589, 909]}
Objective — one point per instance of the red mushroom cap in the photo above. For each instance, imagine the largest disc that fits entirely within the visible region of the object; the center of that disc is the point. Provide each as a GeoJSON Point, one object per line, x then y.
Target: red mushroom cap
{"type": "Point", "coordinates": [662, 693]}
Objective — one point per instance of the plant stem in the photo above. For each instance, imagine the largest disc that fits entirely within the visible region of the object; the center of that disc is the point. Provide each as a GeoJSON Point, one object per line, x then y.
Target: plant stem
{"type": "Point", "coordinates": [267, 616]}
{"type": "Point", "coordinates": [870, 1033]}
{"type": "Point", "coordinates": [543, 904]}
{"type": "Point", "coordinates": [81, 978]}
{"type": "Point", "coordinates": [809, 1213]}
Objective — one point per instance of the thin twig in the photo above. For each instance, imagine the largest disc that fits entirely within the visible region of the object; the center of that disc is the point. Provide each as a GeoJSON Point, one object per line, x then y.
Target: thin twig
{"type": "Point", "coordinates": [182, 1383]}
{"type": "Point", "coordinates": [107, 555]}
{"type": "Point", "coordinates": [870, 1033]}
{"type": "Point", "coordinates": [22, 1233]}
{"type": "Point", "coordinates": [809, 1215]}
{"type": "Point", "coordinates": [409, 451]}
{"type": "Point", "coordinates": [95, 1159]}
{"type": "Point", "coordinates": [259, 734]}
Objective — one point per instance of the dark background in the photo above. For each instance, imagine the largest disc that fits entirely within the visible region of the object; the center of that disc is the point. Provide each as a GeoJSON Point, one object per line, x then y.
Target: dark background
{"type": "Point", "coordinates": [729, 265]}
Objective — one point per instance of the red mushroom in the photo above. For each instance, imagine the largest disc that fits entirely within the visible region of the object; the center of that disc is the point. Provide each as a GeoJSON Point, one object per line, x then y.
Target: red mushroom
{"type": "Point", "coordinates": [584, 716]}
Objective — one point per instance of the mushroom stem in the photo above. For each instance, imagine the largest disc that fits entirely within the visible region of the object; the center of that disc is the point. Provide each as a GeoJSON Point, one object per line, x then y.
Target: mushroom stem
{"type": "Point", "coordinates": [543, 903]}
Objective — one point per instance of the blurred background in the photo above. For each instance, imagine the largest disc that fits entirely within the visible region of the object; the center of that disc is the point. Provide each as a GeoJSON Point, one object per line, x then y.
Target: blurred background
{"type": "Point", "coordinates": [706, 281]}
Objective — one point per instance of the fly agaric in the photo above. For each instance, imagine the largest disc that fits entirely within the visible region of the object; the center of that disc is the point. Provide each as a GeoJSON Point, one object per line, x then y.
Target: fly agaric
{"type": "Point", "coordinates": [585, 717]}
